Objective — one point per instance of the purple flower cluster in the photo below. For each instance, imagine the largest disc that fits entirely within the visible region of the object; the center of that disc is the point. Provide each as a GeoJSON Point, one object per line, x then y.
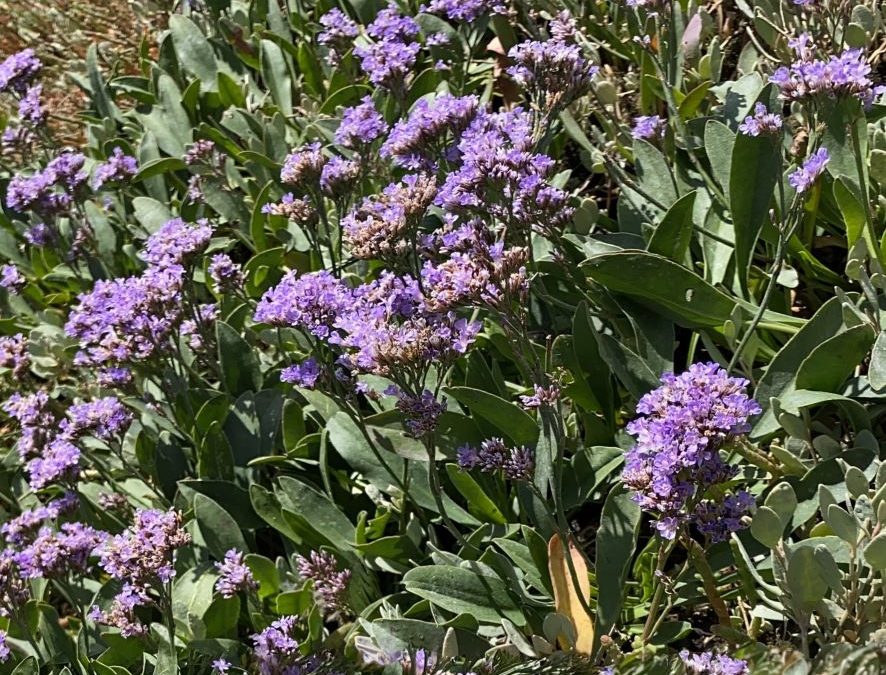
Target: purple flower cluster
{"type": "Point", "coordinates": [338, 33]}
{"type": "Point", "coordinates": [143, 553]}
{"type": "Point", "coordinates": [142, 557]}
{"type": "Point", "coordinates": [761, 122]}
{"type": "Point", "coordinates": [37, 420]}
{"type": "Point", "coordinates": [14, 355]}
{"type": "Point", "coordinates": [122, 321]}
{"type": "Point", "coordinates": [18, 71]}
{"type": "Point", "coordinates": [295, 209]}
{"type": "Point", "coordinates": [234, 575]}
{"type": "Point", "coordinates": [380, 327]}
{"type": "Point", "coordinates": [11, 279]}
{"type": "Point", "coordinates": [24, 527]}
{"type": "Point", "coordinates": [390, 58]}
{"type": "Point", "coordinates": [120, 167]}
{"type": "Point", "coordinates": [707, 663]}
{"type": "Point", "coordinates": [464, 10]}
{"type": "Point", "coordinates": [202, 151]}
{"type": "Point", "coordinates": [226, 275]}
{"type": "Point", "coordinates": [104, 418]}
{"type": "Point", "coordinates": [30, 110]}
{"type": "Point", "coordinates": [804, 178]}
{"type": "Point", "coordinates": [49, 191]}
{"type": "Point", "coordinates": [175, 243]}
{"type": "Point", "coordinates": [479, 275]}
{"type": "Point", "coordinates": [330, 583]}
{"type": "Point", "coordinates": [304, 374]}
{"type": "Point", "coordinates": [431, 131]}
{"type": "Point", "coordinates": [122, 614]}
{"type": "Point", "coordinates": [56, 554]}
{"type": "Point", "coordinates": [338, 177]}
{"type": "Point", "coordinates": [383, 227]}
{"type": "Point", "coordinates": [310, 302]}
{"type": "Point", "coordinates": [494, 455]}
{"type": "Point", "coordinates": [4, 647]}
{"type": "Point", "coordinates": [684, 424]}
{"type": "Point", "coordinates": [554, 70]}
{"type": "Point", "coordinates": [303, 167]}
{"type": "Point", "coordinates": [502, 177]}
{"type": "Point", "coordinates": [60, 462]}
{"type": "Point", "coordinates": [421, 413]}
{"type": "Point", "coordinates": [847, 74]}
{"type": "Point", "coordinates": [648, 127]}
{"type": "Point", "coordinates": [360, 125]}
{"type": "Point", "coordinates": [14, 588]}
{"type": "Point", "coordinates": [541, 396]}
{"type": "Point", "coordinates": [276, 649]}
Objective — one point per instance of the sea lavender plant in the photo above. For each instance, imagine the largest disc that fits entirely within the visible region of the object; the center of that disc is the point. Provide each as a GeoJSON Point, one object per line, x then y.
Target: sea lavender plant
{"type": "Point", "coordinates": [119, 168]}
{"type": "Point", "coordinates": [104, 418]}
{"type": "Point", "coordinates": [176, 243]}
{"type": "Point", "coordinates": [464, 10]}
{"type": "Point", "coordinates": [430, 132]}
{"type": "Point", "coordinates": [384, 226]}
{"type": "Point", "coordinates": [360, 125]}
{"type": "Point", "coordinates": [761, 122]}
{"type": "Point", "coordinates": [330, 582]}
{"type": "Point", "coordinates": [804, 178]}
{"type": "Point", "coordinates": [648, 127]}
{"type": "Point", "coordinates": [18, 71]}
{"type": "Point", "coordinates": [14, 355]}
{"type": "Point", "coordinates": [847, 74]}
{"type": "Point", "coordinates": [338, 33]}
{"type": "Point", "coordinates": [683, 426]}
{"type": "Point", "coordinates": [234, 575]}
{"type": "Point", "coordinates": [555, 72]}
{"type": "Point", "coordinates": [707, 663]}
{"type": "Point", "coordinates": [122, 322]}
{"type": "Point", "coordinates": [494, 456]}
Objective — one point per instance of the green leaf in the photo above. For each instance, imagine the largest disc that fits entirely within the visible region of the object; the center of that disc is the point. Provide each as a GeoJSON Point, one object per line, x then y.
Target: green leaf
{"type": "Point", "coordinates": [875, 552]}
{"type": "Point", "coordinates": [654, 173]}
{"type": "Point", "coordinates": [831, 362]}
{"type": "Point", "coordinates": [462, 590]}
{"type": "Point", "coordinates": [767, 526]}
{"type": "Point", "coordinates": [806, 582]}
{"type": "Point", "coordinates": [677, 292]}
{"type": "Point", "coordinates": [229, 91]}
{"type": "Point", "coordinates": [266, 574]}
{"type": "Point", "coordinates": [479, 504]}
{"type": "Point", "coordinates": [28, 666]}
{"type": "Point", "coordinates": [168, 120]}
{"type": "Point", "coordinates": [319, 512]}
{"type": "Point", "coordinates": [509, 418]}
{"type": "Point", "coordinates": [877, 368]}
{"type": "Point", "coordinates": [719, 141]}
{"type": "Point", "coordinates": [151, 213]}
{"type": "Point", "coordinates": [754, 173]}
{"type": "Point", "coordinates": [221, 617]}
{"type": "Point", "coordinates": [275, 73]}
{"type": "Point", "coordinates": [672, 236]}
{"type": "Point", "coordinates": [240, 367]}
{"type": "Point", "coordinates": [842, 523]}
{"type": "Point", "coordinates": [158, 167]}
{"type": "Point", "coordinates": [193, 50]}
{"type": "Point", "coordinates": [783, 500]}
{"type": "Point", "coordinates": [383, 468]}
{"type": "Point", "coordinates": [219, 529]}
{"type": "Point", "coordinates": [616, 542]}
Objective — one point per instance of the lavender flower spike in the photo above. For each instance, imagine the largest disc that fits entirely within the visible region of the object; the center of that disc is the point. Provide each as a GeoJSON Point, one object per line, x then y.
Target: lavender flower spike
{"type": "Point", "coordinates": [234, 575]}
{"type": "Point", "coordinates": [803, 178]}
{"type": "Point", "coordinates": [683, 425]}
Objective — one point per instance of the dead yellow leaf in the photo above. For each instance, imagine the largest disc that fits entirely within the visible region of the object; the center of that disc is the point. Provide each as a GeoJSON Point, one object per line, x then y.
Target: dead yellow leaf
{"type": "Point", "coordinates": [568, 598]}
